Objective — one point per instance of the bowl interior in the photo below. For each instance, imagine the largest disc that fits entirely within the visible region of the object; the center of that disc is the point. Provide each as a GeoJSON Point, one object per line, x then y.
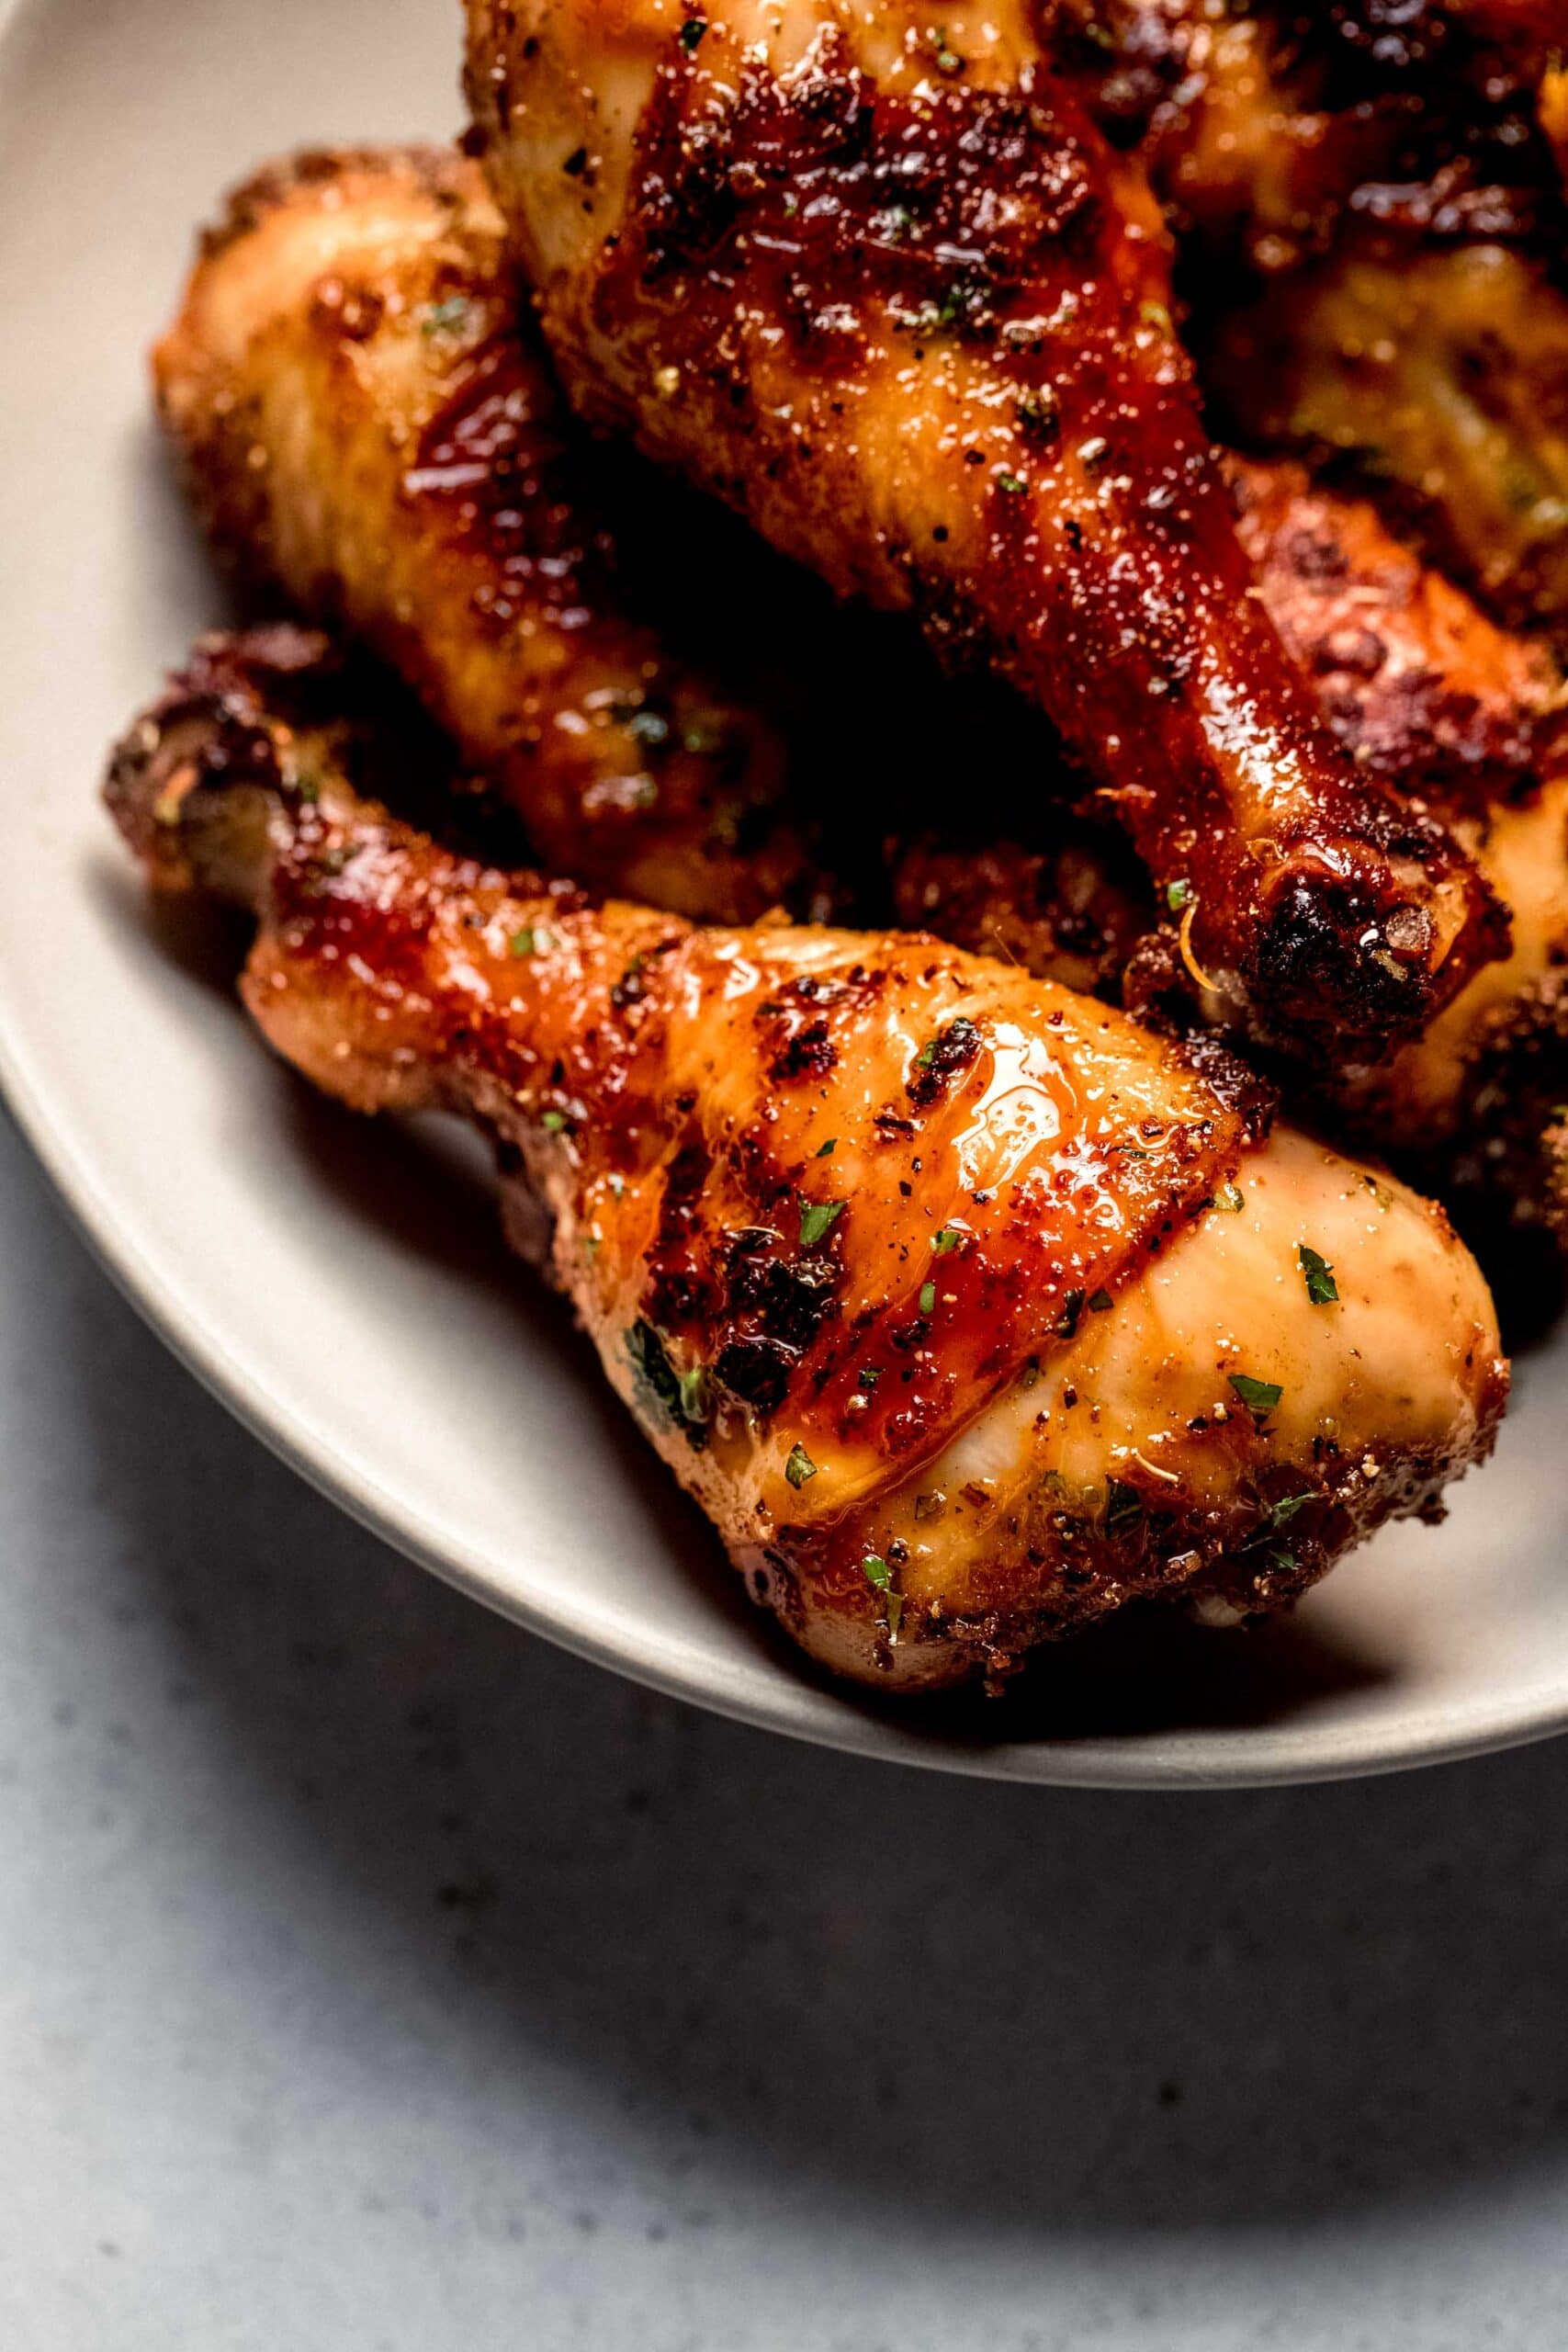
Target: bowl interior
{"type": "Point", "coordinates": [343, 1287]}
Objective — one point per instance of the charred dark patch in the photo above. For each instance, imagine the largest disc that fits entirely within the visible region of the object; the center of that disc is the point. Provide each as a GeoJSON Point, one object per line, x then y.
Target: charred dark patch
{"type": "Point", "coordinates": [809, 1053]}
{"type": "Point", "coordinates": [844, 195]}
{"type": "Point", "coordinates": [951, 1052]}
{"type": "Point", "coordinates": [677, 1293]}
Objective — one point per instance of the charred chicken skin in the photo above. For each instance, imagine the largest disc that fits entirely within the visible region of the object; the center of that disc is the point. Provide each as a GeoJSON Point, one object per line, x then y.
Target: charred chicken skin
{"type": "Point", "coordinates": [301, 473]}
{"type": "Point", "coordinates": [366, 427]}
{"type": "Point", "coordinates": [968, 1309]}
{"type": "Point", "coordinates": [892, 292]}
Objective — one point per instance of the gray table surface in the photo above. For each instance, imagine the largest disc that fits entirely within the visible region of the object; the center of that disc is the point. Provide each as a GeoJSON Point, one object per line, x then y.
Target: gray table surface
{"type": "Point", "coordinates": [372, 1977]}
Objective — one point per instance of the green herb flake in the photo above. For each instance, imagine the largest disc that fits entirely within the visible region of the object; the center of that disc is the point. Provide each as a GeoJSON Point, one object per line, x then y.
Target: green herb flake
{"type": "Point", "coordinates": [825, 1151]}
{"type": "Point", "coordinates": [877, 1572]}
{"type": "Point", "coordinates": [1100, 1303]}
{"type": "Point", "coordinates": [682, 1398]}
{"type": "Point", "coordinates": [950, 1237]}
{"type": "Point", "coordinates": [799, 1466]}
{"type": "Point", "coordinates": [1013, 484]}
{"type": "Point", "coordinates": [1178, 895]}
{"type": "Point", "coordinates": [691, 33]}
{"type": "Point", "coordinates": [1286, 1561]}
{"type": "Point", "coordinates": [1281, 1513]}
{"type": "Point", "coordinates": [1231, 1198]}
{"type": "Point", "coordinates": [817, 1218]}
{"type": "Point", "coordinates": [524, 942]}
{"type": "Point", "coordinates": [1123, 1507]}
{"type": "Point", "coordinates": [1259, 1396]}
{"type": "Point", "coordinates": [1322, 1288]}
{"type": "Point", "coordinates": [449, 317]}
{"type": "Point", "coordinates": [870, 1375]}
{"type": "Point", "coordinates": [927, 1297]}
{"type": "Point", "coordinates": [554, 1122]}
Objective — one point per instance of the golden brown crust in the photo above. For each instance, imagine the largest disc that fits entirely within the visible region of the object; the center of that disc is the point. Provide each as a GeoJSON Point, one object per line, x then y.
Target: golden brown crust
{"type": "Point", "coordinates": [368, 426]}
{"type": "Point", "coordinates": [835, 1206]}
{"type": "Point", "coordinates": [778, 253]}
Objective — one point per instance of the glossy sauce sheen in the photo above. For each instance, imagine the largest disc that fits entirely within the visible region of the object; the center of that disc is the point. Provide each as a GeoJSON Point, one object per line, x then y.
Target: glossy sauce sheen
{"type": "Point", "coordinates": [889, 291]}
{"type": "Point", "coordinates": [368, 424]}
{"type": "Point", "coordinates": [1030, 1340]}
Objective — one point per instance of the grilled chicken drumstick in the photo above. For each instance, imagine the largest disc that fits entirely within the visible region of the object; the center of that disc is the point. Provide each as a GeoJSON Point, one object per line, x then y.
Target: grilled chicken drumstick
{"type": "Point", "coordinates": [891, 291]}
{"type": "Point", "coordinates": [364, 425]}
{"type": "Point", "coordinates": [340, 313]}
{"type": "Point", "coordinates": [967, 1308]}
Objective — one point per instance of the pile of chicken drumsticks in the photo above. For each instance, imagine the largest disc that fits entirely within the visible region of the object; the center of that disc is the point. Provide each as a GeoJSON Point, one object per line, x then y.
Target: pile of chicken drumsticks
{"type": "Point", "coordinates": [1134, 562]}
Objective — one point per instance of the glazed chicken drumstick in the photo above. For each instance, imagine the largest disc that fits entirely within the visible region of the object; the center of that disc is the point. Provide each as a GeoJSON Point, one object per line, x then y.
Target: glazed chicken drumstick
{"type": "Point", "coordinates": [890, 291]}
{"type": "Point", "coordinates": [353, 311]}
{"type": "Point", "coordinates": [364, 426]}
{"type": "Point", "coordinates": [967, 1308]}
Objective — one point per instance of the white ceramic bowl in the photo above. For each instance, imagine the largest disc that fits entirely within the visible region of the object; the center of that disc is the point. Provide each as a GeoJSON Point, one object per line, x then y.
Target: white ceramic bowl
{"type": "Point", "coordinates": [342, 1287]}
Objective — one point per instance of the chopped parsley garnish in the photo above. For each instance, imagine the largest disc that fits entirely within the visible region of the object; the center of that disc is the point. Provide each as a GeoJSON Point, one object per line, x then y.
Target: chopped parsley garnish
{"type": "Point", "coordinates": [799, 1466]}
{"type": "Point", "coordinates": [1178, 895]}
{"type": "Point", "coordinates": [927, 1297]}
{"type": "Point", "coordinates": [553, 1122]}
{"type": "Point", "coordinates": [449, 317]}
{"type": "Point", "coordinates": [1230, 1197]}
{"type": "Point", "coordinates": [879, 1576]}
{"type": "Point", "coordinates": [681, 1398]}
{"type": "Point", "coordinates": [1072, 1308]}
{"type": "Point", "coordinates": [1013, 484]}
{"type": "Point", "coordinates": [524, 942]}
{"type": "Point", "coordinates": [825, 1151]}
{"type": "Point", "coordinates": [691, 33]}
{"type": "Point", "coordinates": [1284, 1561]}
{"type": "Point", "coordinates": [817, 1218]}
{"type": "Point", "coordinates": [870, 1375]}
{"type": "Point", "coordinates": [1123, 1506]}
{"type": "Point", "coordinates": [1099, 1303]}
{"type": "Point", "coordinates": [1322, 1288]}
{"type": "Point", "coordinates": [947, 60]}
{"type": "Point", "coordinates": [950, 1237]}
{"type": "Point", "coordinates": [1285, 1509]}
{"type": "Point", "coordinates": [1259, 1396]}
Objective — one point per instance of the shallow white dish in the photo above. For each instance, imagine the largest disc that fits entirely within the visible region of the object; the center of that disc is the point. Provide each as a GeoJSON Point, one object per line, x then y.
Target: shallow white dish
{"type": "Point", "coordinates": [343, 1287]}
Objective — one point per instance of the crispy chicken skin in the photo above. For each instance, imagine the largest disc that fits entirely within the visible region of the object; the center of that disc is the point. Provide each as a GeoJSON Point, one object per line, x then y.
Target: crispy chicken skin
{"type": "Point", "coordinates": [1426, 690]}
{"type": "Point", "coordinates": [1369, 207]}
{"type": "Point", "coordinates": [1423, 690]}
{"type": "Point", "coordinates": [367, 424]}
{"type": "Point", "coordinates": [891, 291]}
{"type": "Point", "coordinates": [968, 1309]}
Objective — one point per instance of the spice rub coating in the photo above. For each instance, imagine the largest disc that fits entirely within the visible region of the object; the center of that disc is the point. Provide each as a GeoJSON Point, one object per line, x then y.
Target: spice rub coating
{"type": "Point", "coordinates": [368, 424]}
{"type": "Point", "coordinates": [968, 1309]}
{"type": "Point", "coordinates": [895, 295]}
